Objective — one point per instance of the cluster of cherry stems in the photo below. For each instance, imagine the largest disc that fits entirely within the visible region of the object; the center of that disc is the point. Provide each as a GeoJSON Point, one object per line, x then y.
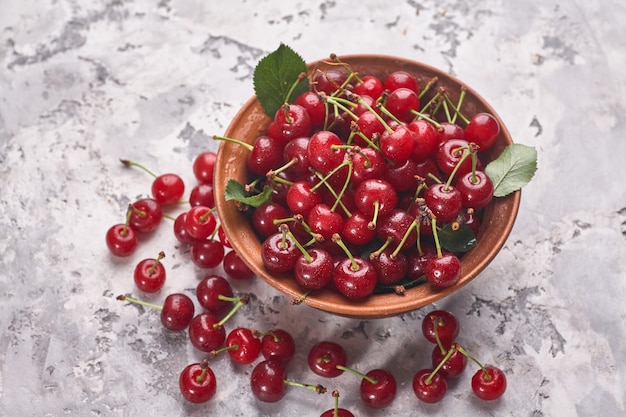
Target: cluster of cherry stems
{"type": "Point", "coordinates": [207, 332]}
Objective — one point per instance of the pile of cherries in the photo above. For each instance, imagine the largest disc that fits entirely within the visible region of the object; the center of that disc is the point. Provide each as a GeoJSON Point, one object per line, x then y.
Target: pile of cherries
{"type": "Point", "coordinates": [363, 177]}
{"type": "Point", "coordinates": [331, 198]}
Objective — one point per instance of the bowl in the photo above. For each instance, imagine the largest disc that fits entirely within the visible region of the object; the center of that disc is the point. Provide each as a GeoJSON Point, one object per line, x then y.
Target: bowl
{"type": "Point", "coordinates": [250, 121]}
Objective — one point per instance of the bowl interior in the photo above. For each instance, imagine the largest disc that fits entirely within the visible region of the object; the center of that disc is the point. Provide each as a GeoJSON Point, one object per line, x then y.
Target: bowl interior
{"type": "Point", "coordinates": [251, 121]}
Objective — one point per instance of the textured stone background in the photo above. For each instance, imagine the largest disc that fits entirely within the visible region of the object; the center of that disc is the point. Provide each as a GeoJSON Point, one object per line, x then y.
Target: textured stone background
{"type": "Point", "coordinates": [84, 83]}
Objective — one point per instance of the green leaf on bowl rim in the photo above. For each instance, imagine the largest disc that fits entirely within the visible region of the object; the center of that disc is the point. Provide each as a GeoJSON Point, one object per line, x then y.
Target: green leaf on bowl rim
{"type": "Point", "coordinates": [274, 77]}
{"type": "Point", "coordinates": [235, 191]}
{"type": "Point", "coordinates": [458, 241]}
{"type": "Point", "coordinates": [513, 169]}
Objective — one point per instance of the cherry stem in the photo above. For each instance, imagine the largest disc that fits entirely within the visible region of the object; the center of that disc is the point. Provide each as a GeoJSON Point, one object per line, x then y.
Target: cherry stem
{"type": "Point", "coordinates": [333, 192]}
{"type": "Point", "coordinates": [123, 297]}
{"type": "Point", "coordinates": [128, 163]}
{"type": "Point", "coordinates": [342, 103]}
{"type": "Point", "coordinates": [433, 223]}
{"type": "Point", "coordinates": [299, 300]}
{"type": "Point", "coordinates": [430, 120]}
{"type": "Point", "coordinates": [436, 323]}
{"type": "Point", "coordinates": [467, 151]}
{"type": "Point", "coordinates": [301, 77]}
{"type": "Point", "coordinates": [129, 212]}
{"type": "Point", "coordinates": [381, 249]}
{"type": "Point", "coordinates": [486, 375]}
{"type": "Point", "coordinates": [355, 372]}
{"type": "Point", "coordinates": [206, 215]}
{"type": "Point", "coordinates": [456, 108]}
{"type": "Point", "coordinates": [156, 262]}
{"type": "Point", "coordinates": [335, 395]}
{"type": "Point", "coordinates": [317, 388]}
{"type": "Point", "coordinates": [273, 173]}
{"type": "Point", "coordinates": [375, 113]}
{"type": "Point", "coordinates": [204, 366]}
{"type": "Point", "coordinates": [216, 352]}
{"type": "Point", "coordinates": [414, 225]}
{"type": "Point", "coordinates": [238, 142]}
{"type": "Point", "coordinates": [285, 229]}
{"type": "Point", "coordinates": [440, 364]}
{"type": "Point", "coordinates": [239, 302]}
{"type": "Point", "coordinates": [353, 264]}
{"type": "Point", "coordinates": [428, 86]}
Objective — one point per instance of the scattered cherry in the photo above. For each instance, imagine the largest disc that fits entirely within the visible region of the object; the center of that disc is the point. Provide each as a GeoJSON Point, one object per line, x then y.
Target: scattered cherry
{"type": "Point", "coordinates": [489, 383]}
{"type": "Point", "coordinates": [150, 274]}
{"type": "Point", "coordinates": [197, 382]}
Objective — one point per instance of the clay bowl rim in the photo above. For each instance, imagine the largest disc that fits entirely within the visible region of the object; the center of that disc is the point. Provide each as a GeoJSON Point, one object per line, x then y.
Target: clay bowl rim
{"type": "Point", "coordinates": [251, 120]}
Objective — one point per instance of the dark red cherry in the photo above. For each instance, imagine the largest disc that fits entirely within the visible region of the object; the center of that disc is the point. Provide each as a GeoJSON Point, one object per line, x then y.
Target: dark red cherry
{"type": "Point", "coordinates": [483, 130]}
{"type": "Point", "coordinates": [381, 392]}
{"type": "Point", "coordinates": [355, 278]}
{"type": "Point", "coordinates": [291, 121]}
{"type": "Point", "coordinates": [324, 358]}
{"type": "Point", "coordinates": [443, 271]}
{"type": "Point", "coordinates": [443, 323]}
{"type": "Point", "coordinates": [369, 86]}
{"type": "Point", "coordinates": [444, 201]}
{"type": "Point", "coordinates": [489, 384]}
{"type": "Point", "coordinates": [429, 389]}
{"type": "Point", "coordinates": [278, 344]}
{"type": "Point", "coordinates": [400, 79]}
{"type": "Point", "coordinates": [177, 312]}
{"type": "Point", "coordinates": [267, 380]}
{"type": "Point", "coordinates": [314, 106]}
{"type": "Point", "coordinates": [197, 383]}
{"type": "Point", "coordinates": [476, 189]}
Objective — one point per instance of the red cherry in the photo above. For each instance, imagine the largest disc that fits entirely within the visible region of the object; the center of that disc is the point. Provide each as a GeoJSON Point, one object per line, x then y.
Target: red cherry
{"type": "Point", "coordinates": [235, 267]}
{"type": "Point", "coordinates": [180, 229]}
{"type": "Point", "coordinates": [267, 380]}
{"type": "Point", "coordinates": [489, 384]}
{"type": "Point", "coordinates": [429, 390]}
{"type": "Point", "coordinates": [214, 293]}
{"type": "Point", "coordinates": [197, 383]}
{"type": "Point", "coordinates": [443, 323]}
{"type": "Point", "coordinates": [314, 270]}
{"type": "Point", "coordinates": [355, 278]}
{"type": "Point", "coordinates": [375, 196]}
{"type": "Point", "coordinates": [323, 221]}
{"type": "Point", "coordinates": [168, 189]}
{"type": "Point", "coordinates": [400, 79]}
{"type": "Point", "coordinates": [324, 358]}
{"type": "Point", "coordinates": [402, 102]}
{"type": "Point", "coordinates": [278, 344]}
{"type": "Point", "coordinates": [279, 253]}
{"type": "Point", "coordinates": [202, 195]}
{"type": "Point", "coordinates": [369, 86]}
{"type": "Point", "coordinates": [483, 130]}
{"type": "Point", "coordinates": [397, 145]}
{"type": "Point", "coordinates": [321, 153]}
{"type": "Point", "coordinates": [381, 392]}
{"type": "Point", "coordinates": [444, 201]}
{"type": "Point", "coordinates": [243, 346]}
{"type": "Point", "coordinates": [203, 166]}
{"type": "Point", "coordinates": [330, 80]}
{"type": "Point", "coordinates": [301, 198]}
{"type": "Point", "coordinates": [150, 274]}
{"type": "Point", "coordinates": [443, 271]}
{"type": "Point", "coordinates": [177, 312]}
{"type": "Point", "coordinates": [266, 154]}
{"type": "Point", "coordinates": [205, 333]}
{"type": "Point", "coordinates": [476, 189]}
{"type": "Point", "coordinates": [264, 216]}
{"type": "Point", "coordinates": [426, 139]}
{"type": "Point", "coordinates": [200, 222]}
{"type": "Point", "coordinates": [314, 106]}
{"type": "Point", "coordinates": [121, 240]}
{"type": "Point", "coordinates": [292, 121]}
{"type": "Point", "coordinates": [207, 254]}
{"type": "Point", "coordinates": [146, 214]}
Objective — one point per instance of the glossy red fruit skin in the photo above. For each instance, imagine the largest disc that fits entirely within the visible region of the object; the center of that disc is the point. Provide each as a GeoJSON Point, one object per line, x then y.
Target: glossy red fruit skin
{"type": "Point", "coordinates": [449, 155]}
{"type": "Point", "coordinates": [444, 271]}
{"type": "Point", "coordinates": [208, 291]}
{"type": "Point", "coordinates": [369, 86]}
{"type": "Point", "coordinates": [355, 284]}
{"type": "Point", "coordinates": [444, 323]}
{"type": "Point", "coordinates": [204, 333]}
{"type": "Point", "coordinates": [445, 202]}
{"type": "Point", "coordinates": [453, 367]}
{"type": "Point", "coordinates": [200, 222]}
{"type": "Point", "coordinates": [397, 145]}
{"type": "Point", "coordinates": [380, 394]}
{"type": "Point", "coordinates": [203, 166]}
{"type": "Point", "coordinates": [248, 345]}
{"type": "Point", "coordinates": [235, 267]}
{"type": "Point", "coordinates": [146, 215]}
{"type": "Point", "coordinates": [315, 274]}
{"type": "Point", "coordinates": [266, 155]}
{"type": "Point", "coordinates": [390, 270]}
{"type": "Point", "coordinates": [301, 198]}
{"type": "Point", "coordinates": [292, 121]}
{"type": "Point", "coordinates": [202, 195]}
{"type": "Point", "coordinates": [476, 189]}
{"type": "Point", "coordinates": [325, 356]}
{"type": "Point", "coordinates": [367, 164]}
{"type": "Point", "coordinates": [267, 380]}
{"type": "Point", "coordinates": [356, 229]}
{"type": "Point", "coordinates": [330, 80]}
{"type": "Point", "coordinates": [263, 218]}
{"type": "Point", "coordinates": [322, 157]}
{"type": "Point", "coordinates": [207, 254]}
{"type": "Point", "coordinates": [168, 188]}
{"type": "Point", "coordinates": [426, 139]}
{"type": "Point", "coordinates": [121, 240]}
{"type": "Point", "coordinates": [491, 388]}
{"type": "Point", "coordinates": [296, 149]}
{"type": "Point", "coordinates": [401, 102]}
{"type": "Point", "coordinates": [429, 393]}
{"type": "Point", "coordinates": [371, 191]}
{"type": "Point", "coordinates": [180, 230]}
{"type": "Point", "coordinates": [177, 312]}
{"type": "Point", "coordinates": [148, 280]}
{"type": "Point", "coordinates": [322, 220]}
{"type": "Point", "coordinates": [314, 106]}
{"type": "Point", "coordinates": [278, 253]}
{"type": "Point", "coordinates": [483, 130]}
{"type": "Point", "coordinates": [400, 79]}
{"type": "Point", "coordinates": [278, 344]}
{"type": "Point", "coordinates": [196, 391]}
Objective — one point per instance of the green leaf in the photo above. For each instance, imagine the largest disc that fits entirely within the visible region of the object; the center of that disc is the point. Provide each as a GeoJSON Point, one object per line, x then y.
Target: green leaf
{"type": "Point", "coordinates": [513, 169]}
{"type": "Point", "coordinates": [274, 77]}
{"type": "Point", "coordinates": [457, 241]}
{"type": "Point", "coordinates": [236, 191]}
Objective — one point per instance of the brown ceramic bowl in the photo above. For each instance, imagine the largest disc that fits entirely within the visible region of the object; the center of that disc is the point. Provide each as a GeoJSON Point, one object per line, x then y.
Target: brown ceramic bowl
{"type": "Point", "coordinates": [251, 121]}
